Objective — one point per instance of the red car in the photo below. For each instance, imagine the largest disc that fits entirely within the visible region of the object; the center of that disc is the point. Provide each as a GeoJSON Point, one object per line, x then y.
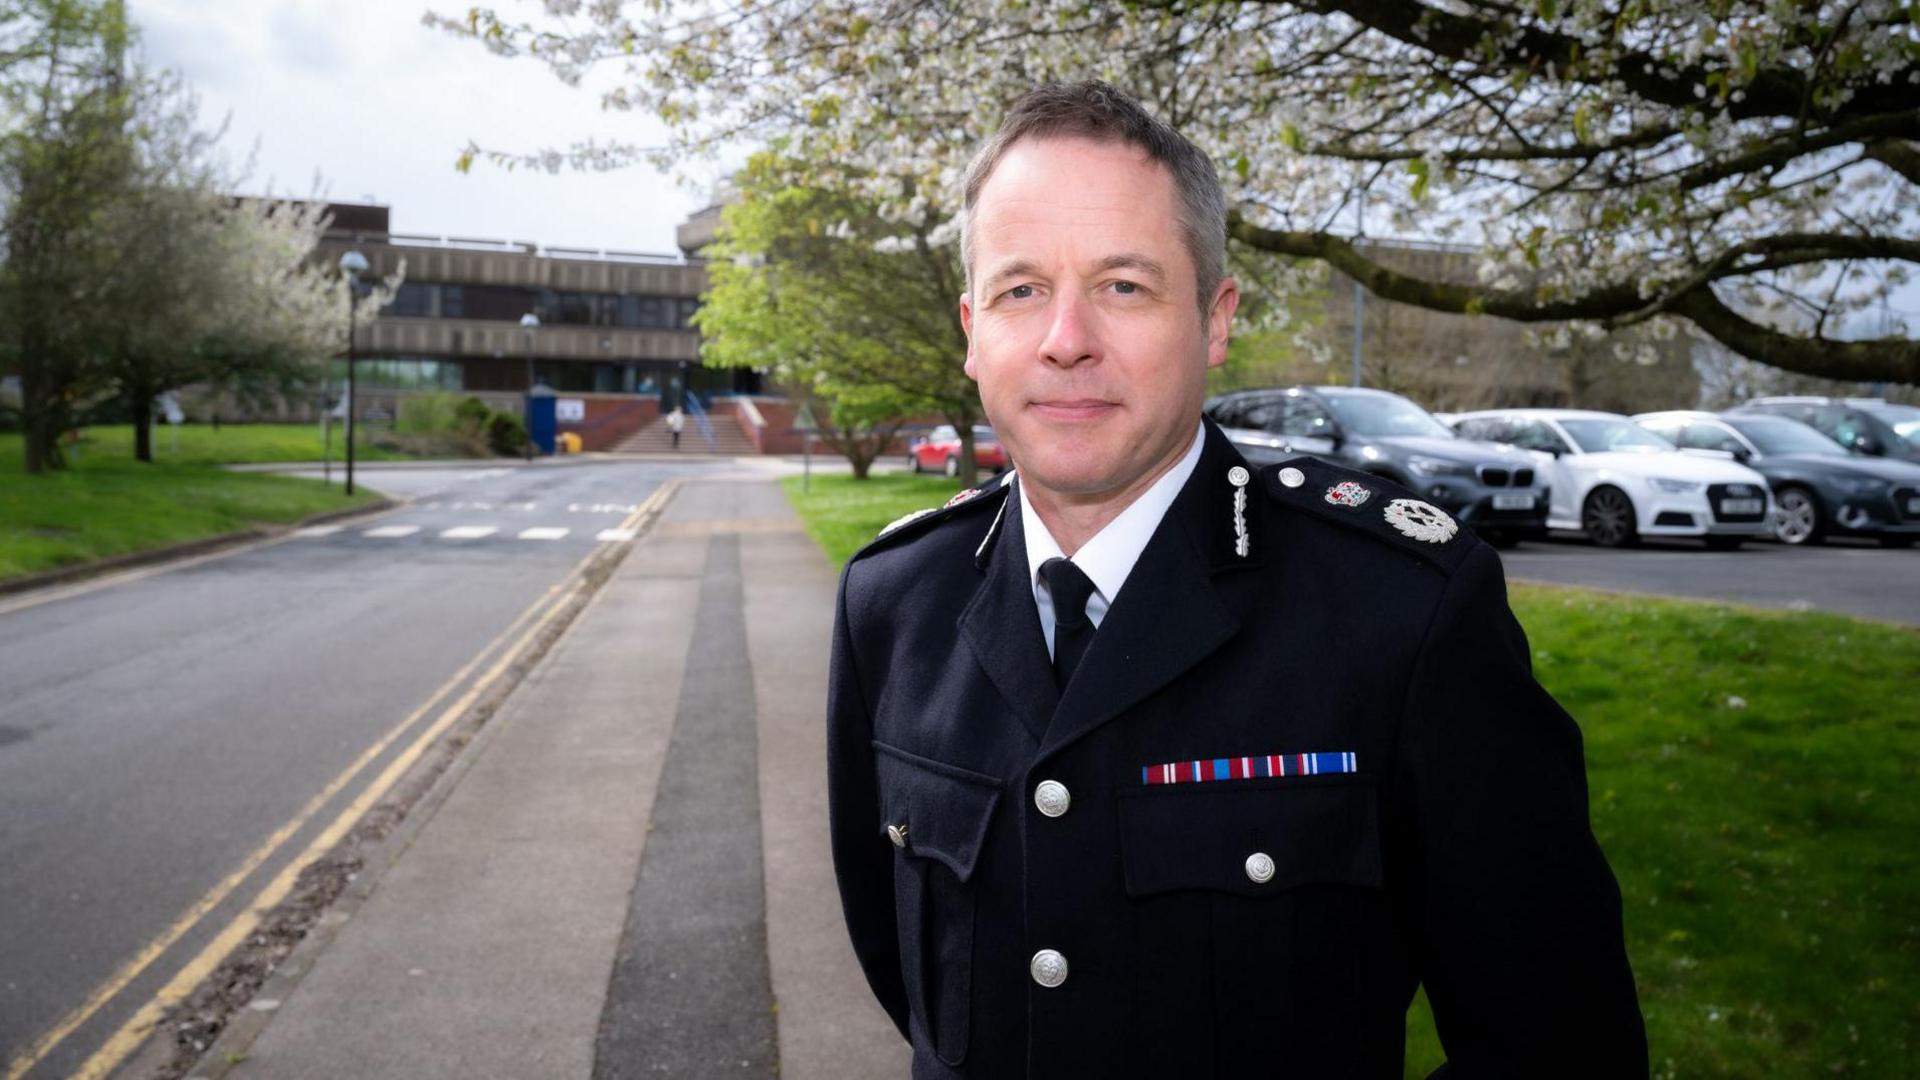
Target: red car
{"type": "Point", "coordinates": [940, 451]}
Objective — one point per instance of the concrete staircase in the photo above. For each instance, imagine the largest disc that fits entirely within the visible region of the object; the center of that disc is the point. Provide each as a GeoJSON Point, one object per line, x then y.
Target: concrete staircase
{"type": "Point", "coordinates": [655, 438]}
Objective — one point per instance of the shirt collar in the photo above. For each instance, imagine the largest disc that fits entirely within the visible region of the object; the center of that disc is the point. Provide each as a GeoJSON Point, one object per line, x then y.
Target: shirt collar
{"type": "Point", "coordinates": [1109, 556]}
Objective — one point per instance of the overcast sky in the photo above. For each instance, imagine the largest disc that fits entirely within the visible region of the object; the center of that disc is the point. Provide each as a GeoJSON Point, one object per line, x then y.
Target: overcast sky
{"type": "Point", "coordinates": [361, 96]}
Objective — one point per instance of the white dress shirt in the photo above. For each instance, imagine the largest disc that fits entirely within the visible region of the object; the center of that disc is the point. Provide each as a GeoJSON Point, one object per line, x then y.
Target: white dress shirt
{"type": "Point", "coordinates": [1109, 556]}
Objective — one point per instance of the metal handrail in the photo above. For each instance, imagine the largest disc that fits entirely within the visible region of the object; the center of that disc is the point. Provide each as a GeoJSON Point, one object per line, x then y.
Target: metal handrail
{"type": "Point", "coordinates": [700, 419]}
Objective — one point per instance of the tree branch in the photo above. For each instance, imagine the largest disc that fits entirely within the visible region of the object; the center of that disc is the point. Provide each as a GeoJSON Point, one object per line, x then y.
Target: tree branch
{"type": "Point", "coordinates": [1897, 359]}
{"type": "Point", "coordinates": [1772, 92]}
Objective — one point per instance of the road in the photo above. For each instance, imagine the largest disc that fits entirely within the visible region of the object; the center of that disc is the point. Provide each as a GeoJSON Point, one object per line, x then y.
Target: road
{"type": "Point", "coordinates": [1847, 577]}
{"type": "Point", "coordinates": [156, 733]}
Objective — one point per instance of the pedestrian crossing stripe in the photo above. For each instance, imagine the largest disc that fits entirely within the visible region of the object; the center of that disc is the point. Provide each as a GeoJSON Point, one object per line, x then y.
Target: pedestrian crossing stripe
{"type": "Point", "coordinates": [390, 532]}
{"type": "Point", "coordinates": [621, 535]}
{"type": "Point", "coordinates": [543, 533]}
{"type": "Point", "coordinates": [467, 532]}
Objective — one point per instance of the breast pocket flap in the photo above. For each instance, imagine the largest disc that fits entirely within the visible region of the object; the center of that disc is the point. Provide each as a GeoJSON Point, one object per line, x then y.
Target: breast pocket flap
{"type": "Point", "coordinates": [946, 809]}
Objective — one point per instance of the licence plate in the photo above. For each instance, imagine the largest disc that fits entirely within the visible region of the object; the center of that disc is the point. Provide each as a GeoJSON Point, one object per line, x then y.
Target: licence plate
{"type": "Point", "coordinates": [1525, 502]}
{"type": "Point", "coordinates": [1741, 506]}
{"type": "Point", "coordinates": [1913, 506]}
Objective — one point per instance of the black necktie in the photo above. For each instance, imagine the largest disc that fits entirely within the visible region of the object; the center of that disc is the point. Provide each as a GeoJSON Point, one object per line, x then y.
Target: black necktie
{"type": "Point", "coordinates": [1072, 630]}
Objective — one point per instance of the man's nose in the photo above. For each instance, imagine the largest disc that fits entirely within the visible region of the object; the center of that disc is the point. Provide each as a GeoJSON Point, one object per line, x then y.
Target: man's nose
{"type": "Point", "coordinates": [1071, 336]}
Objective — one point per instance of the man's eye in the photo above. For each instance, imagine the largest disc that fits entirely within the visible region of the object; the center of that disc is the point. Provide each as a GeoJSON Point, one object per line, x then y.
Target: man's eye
{"type": "Point", "coordinates": [1020, 292]}
{"type": "Point", "coordinates": [1125, 288]}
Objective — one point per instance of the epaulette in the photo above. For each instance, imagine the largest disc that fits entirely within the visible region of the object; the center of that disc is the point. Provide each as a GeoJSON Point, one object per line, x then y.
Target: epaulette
{"type": "Point", "coordinates": [991, 493]}
{"type": "Point", "coordinates": [1372, 505]}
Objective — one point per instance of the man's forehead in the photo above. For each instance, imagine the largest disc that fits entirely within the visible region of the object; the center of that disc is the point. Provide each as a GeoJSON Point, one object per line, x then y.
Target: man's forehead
{"type": "Point", "coordinates": [1110, 199]}
{"type": "Point", "coordinates": [1048, 159]}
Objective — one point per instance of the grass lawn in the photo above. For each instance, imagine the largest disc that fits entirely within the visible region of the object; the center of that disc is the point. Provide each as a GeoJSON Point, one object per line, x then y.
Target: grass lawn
{"type": "Point", "coordinates": [1753, 778]}
{"type": "Point", "coordinates": [233, 444]}
{"type": "Point", "coordinates": [109, 504]}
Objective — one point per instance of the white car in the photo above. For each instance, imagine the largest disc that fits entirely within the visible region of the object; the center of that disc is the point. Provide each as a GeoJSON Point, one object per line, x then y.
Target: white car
{"type": "Point", "coordinates": [1617, 482]}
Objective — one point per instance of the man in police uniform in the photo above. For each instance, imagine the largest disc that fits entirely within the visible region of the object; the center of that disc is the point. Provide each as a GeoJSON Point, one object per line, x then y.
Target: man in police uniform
{"type": "Point", "coordinates": [1143, 763]}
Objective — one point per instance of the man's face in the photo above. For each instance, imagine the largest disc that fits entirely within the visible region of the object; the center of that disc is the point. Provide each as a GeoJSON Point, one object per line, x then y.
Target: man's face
{"type": "Point", "coordinates": [1083, 327]}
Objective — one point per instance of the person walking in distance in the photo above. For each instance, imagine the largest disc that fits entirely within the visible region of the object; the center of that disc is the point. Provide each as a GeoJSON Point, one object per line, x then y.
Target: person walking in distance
{"type": "Point", "coordinates": [675, 421]}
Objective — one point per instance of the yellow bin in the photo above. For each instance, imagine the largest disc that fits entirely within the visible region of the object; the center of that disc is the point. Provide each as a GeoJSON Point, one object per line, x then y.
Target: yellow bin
{"type": "Point", "coordinates": [569, 443]}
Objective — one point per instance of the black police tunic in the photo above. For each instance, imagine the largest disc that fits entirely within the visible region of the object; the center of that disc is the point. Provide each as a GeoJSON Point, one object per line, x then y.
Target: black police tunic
{"type": "Point", "coordinates": [1303, 768]}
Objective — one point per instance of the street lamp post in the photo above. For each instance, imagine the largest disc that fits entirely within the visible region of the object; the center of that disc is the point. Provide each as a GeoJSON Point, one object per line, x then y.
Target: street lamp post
{"type": "Point", "coordinates": [352, 265]}
{"type": "Point", "coordinates": [529, 322]}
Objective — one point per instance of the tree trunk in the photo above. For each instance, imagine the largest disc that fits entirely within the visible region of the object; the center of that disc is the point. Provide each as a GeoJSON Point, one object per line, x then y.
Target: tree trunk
{"type": "Point", "coordinates": [142, 425]}
{"type": "Point", "coordinates": [969, 466]}
{"type": "Point", "coordinates": [39, 414]}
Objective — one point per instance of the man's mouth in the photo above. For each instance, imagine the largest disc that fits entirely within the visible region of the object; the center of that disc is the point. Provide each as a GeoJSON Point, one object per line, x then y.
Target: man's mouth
{"type": "Point", "coordinates": [1072, 409]}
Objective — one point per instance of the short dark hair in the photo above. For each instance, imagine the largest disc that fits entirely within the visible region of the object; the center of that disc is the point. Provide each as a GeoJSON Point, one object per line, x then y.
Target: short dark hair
{"type": "Point", "coordinates": [1098, 111]}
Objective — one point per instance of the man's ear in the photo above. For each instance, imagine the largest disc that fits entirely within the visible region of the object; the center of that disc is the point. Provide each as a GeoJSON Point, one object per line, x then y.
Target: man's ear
{"type": "Point", "coordinates": [1226, 300]}
{"type": "Point", "coordinates": [966, 324]}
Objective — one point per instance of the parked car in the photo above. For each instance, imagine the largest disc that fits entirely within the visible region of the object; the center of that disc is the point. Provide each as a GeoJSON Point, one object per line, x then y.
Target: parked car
{"type": "Point", "coordinates": [1495, 489]}
{"type": "Point", "coordinates": [939, 451]}
{"type": "Point", "coordinates": [1617, 481]}
{"type": "Point", "coordinates": [1863, 425]}
{"type": "Point", "coordinates": [1818, 487]}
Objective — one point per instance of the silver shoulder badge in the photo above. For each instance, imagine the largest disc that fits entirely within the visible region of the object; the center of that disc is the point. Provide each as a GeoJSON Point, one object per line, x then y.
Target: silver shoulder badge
{"type": "Point", "coordinates": [1421, 521]}
{"type": "Point", "coordinates": [907, 519]}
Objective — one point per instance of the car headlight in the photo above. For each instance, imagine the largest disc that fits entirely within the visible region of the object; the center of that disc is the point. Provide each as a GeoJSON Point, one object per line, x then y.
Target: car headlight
{"type": "Point", "coordinates": [1429, 466]}
{"type": "Point", "coordinates": [1676, 487]}
{"type": "Point", "coordinates": [1862, 485]}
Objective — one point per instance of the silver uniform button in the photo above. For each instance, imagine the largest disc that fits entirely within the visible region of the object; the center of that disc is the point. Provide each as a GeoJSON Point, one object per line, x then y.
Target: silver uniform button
{"type": "Point", "coordinates": [1052, 798]}
{"type": "Point", "coordinates": [898, 834]}
{"type": "Point", "coordinates": [1238, 476]}
{"type": "Point", "coordinates": [1292, 477]}
{"type": "Point", "coordinates": [1048, 968]}
{"type": "Point", "coordinates": [1260, 868]}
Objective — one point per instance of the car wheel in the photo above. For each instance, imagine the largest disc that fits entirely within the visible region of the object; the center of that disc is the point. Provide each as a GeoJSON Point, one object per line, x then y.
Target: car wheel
{"type": "Point", "coordinates": [953, 465]}
{"type": "Point", "coordinates": [1608, 518]}
{"type": "Point", "coordinates": [1724, 543]}
{"type": "Point", "coordinates": [1796, 517]}
{"type": "Point", "coordinates": [1888, 540]}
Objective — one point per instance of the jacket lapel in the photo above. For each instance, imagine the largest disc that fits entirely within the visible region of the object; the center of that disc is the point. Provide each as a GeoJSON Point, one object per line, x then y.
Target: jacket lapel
{"type": "Point", "coordinates": [1169, 616]}
{"type": "Point", "coordinates": [1001, 625]}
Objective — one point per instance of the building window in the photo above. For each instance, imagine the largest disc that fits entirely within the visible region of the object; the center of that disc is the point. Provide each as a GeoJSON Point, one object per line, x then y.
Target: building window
{"type": "Point", "coordinates": [414, 300]}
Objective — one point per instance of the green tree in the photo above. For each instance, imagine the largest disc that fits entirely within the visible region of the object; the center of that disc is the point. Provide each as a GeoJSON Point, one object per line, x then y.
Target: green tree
{"type": "Point", "coordinates": [1750, 169]}
{"type": "Point", "coordinates": [66, 158]}
{"type": "Point", "coordinates": [855, 314]}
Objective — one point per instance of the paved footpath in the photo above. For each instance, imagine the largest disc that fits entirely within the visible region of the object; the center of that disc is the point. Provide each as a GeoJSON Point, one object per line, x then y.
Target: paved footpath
{"type": "Point", "coordinates": [631, 876]}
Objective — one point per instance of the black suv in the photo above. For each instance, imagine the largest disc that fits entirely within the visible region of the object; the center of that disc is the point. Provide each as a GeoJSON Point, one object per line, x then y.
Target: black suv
{"type": "Point", "coordinates": [1491, 487]}
{"type": "Point", "coordinates": [1862, 425]}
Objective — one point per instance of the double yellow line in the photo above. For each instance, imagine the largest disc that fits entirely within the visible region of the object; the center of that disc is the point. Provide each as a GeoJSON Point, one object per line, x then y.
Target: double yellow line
{"type": "Point", "coordinates": [528, 626]}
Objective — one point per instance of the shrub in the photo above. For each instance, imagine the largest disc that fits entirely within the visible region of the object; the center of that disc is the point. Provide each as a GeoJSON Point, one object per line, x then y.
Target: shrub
{"type": "Point", "coordinates": [429, 414]}
{"type": "Point", "coordinates": [506, 435]}
{"type": "Point", "coordinates": [472, 414]}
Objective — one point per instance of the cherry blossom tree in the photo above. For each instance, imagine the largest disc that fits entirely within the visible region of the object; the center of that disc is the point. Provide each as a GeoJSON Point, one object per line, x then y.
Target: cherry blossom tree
{"type": "Point", "coordinates": [1748, 168]}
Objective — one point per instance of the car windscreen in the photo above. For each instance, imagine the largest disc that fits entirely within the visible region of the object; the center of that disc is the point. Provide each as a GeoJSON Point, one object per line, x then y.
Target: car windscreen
{"type": "Point", "coordinates": [1903, 419]}
{"type": "Point", "coordinates": [1377, 415]}
{"type": "Point", "coordinates": [1599, 436]}
{"type": "Point", "coordinates": [982, 433]}
{"type": "Point", "coordinates": [1775, 435]}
